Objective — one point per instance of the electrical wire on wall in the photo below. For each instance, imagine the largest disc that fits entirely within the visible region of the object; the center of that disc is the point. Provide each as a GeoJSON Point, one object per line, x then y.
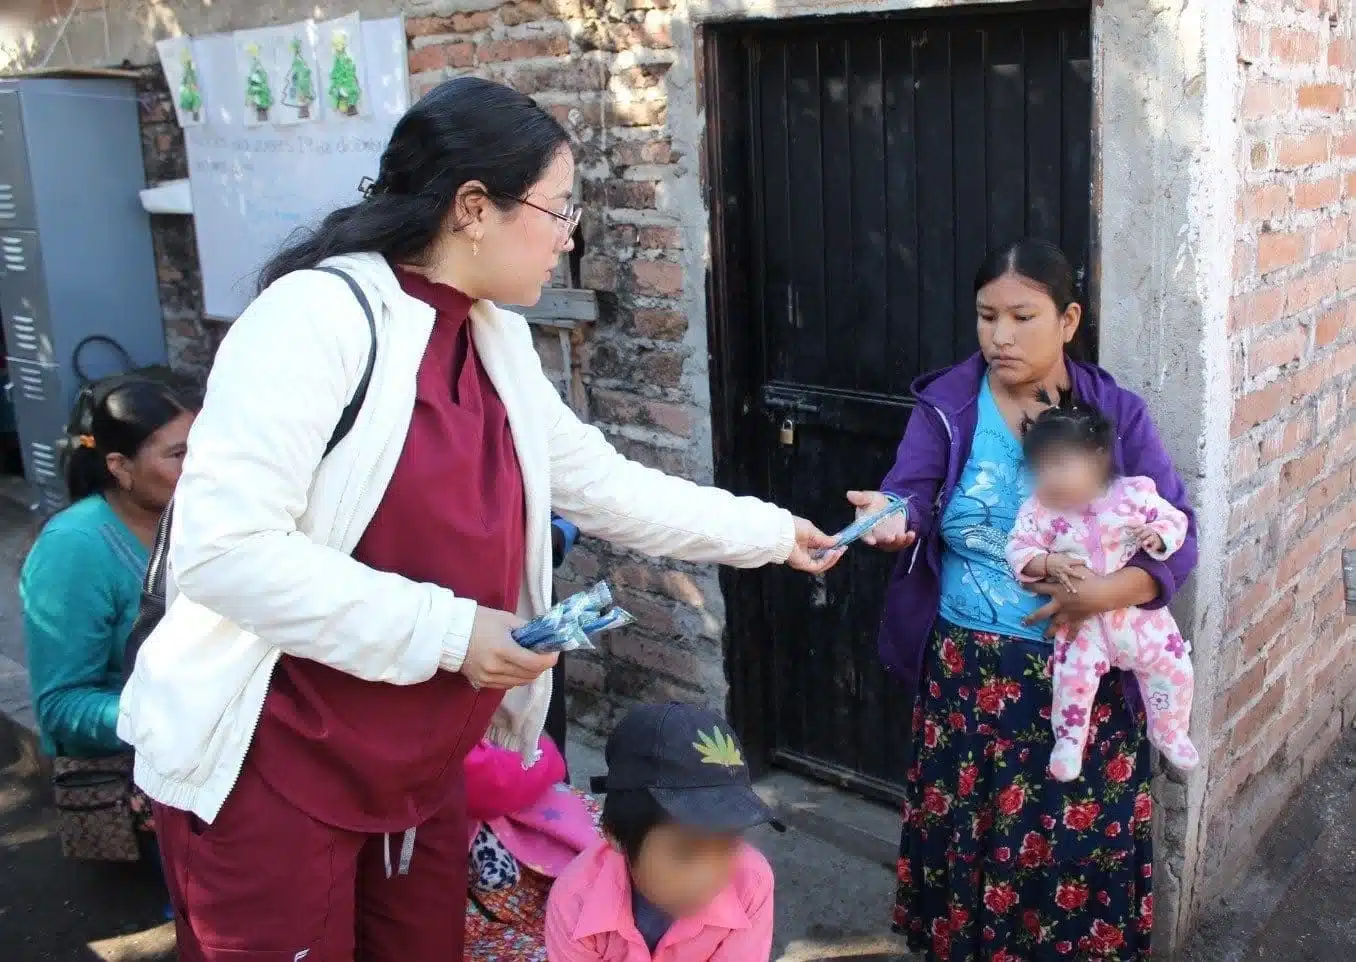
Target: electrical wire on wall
{"type": "Point", "coordinates": [117, 349]}
{"type": "Point", "coordinates": [64, 25]}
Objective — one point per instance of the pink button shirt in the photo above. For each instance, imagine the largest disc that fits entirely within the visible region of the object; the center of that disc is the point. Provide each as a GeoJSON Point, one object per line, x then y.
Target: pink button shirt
{"type": "Point", "coordinates": [588, 917]}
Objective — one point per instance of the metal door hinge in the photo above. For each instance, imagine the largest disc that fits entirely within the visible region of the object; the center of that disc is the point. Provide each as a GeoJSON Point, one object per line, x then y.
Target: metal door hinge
{"type": "Point", "coordinates": [1349, 578]}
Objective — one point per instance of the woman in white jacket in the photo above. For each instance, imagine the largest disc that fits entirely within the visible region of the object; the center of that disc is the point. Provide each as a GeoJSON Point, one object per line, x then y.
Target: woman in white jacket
{"type": "Point", "coordinates": [337, 637]}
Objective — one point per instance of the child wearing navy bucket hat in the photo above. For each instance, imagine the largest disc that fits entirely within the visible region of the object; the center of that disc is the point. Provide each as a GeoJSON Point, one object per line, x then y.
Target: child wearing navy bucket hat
{"type": "Point", "coordinates": [675, 881]}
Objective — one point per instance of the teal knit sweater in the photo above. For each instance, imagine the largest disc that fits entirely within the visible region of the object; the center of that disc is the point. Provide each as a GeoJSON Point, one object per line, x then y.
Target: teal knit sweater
{"type": "Point", "coordinates": [80, 588]}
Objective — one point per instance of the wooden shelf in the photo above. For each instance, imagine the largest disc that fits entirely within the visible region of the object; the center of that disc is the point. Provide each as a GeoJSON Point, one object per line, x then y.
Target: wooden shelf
{"type": "Point", "coordinates": [562, 307]}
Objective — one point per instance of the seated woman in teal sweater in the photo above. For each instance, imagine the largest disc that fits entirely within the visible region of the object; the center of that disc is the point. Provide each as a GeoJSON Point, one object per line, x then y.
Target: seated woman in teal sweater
{"type": "Point", "coordinates": [81, 583]}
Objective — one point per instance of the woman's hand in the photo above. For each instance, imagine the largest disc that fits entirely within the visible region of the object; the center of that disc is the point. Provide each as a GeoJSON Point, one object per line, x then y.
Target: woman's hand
{"type": "Point", "coordinates": [808, 539]}
{"type": "Point", "coordinates": [1096, 595]}
{"type": "Point", "coordinates": [893, 533]}
{"type": "Point", "coordinates": [494, 659]}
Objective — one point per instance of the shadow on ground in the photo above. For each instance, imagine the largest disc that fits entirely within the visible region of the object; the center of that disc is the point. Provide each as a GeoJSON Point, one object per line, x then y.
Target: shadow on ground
{"type": "Point", "coordinates": [54, 909]}
{"type": "Point", "coordinates": [1297, 901]}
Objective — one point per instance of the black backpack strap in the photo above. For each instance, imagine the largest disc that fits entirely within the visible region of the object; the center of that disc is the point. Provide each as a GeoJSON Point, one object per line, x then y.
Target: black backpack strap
{"type": "Point", "coordinates": [153, 585]}
{"type": "Point", "coordinates": [152, 607]}
{"type": "Point", "coordinates": [350, 412]}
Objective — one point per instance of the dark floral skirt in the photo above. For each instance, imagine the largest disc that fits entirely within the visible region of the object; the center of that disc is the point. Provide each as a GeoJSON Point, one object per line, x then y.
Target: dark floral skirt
{"type": "Point", "coordinates": [999, 862]}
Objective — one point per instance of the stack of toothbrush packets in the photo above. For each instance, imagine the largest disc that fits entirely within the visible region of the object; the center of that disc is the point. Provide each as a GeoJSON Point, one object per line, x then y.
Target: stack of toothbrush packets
{"type": "Point", "coordinates": [570, 625]}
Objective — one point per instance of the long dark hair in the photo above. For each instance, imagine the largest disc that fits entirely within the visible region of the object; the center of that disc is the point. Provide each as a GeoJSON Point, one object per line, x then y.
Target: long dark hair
{"type": "Point", "coordinates": [1038, 261]}
{"type": "Point", "coordinates": [463, 130]}
{"type": "Point", "coordinates": [118, 422]}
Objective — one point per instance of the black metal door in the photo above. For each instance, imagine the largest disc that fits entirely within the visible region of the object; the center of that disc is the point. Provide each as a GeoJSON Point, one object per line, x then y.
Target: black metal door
{"type": "Point", "coordinates": [860, 171]}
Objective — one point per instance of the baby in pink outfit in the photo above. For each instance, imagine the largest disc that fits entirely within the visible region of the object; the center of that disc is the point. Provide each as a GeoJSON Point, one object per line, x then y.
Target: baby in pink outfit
{"type": "Point", "coordinates": [1084, 521]}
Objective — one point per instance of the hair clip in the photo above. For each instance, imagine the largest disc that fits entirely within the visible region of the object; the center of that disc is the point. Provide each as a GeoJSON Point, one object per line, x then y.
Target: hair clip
{"type": "Point", "coordinates": [370, 188]}
{"type": "Point", "coordinates": [85, 440]}
{"type": "Point", "coordinates": [1065, 401]}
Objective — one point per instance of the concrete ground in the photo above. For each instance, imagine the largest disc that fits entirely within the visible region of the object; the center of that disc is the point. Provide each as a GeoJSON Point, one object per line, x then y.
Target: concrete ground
{"type": "Point", "coordinates": [1297, 903]}
{"type": "Point", "coordinates": [834, 880]}
{"type": "Point", "coordinates": [56, 910]}
{"type": "Point", "coordinates": [16, 534]}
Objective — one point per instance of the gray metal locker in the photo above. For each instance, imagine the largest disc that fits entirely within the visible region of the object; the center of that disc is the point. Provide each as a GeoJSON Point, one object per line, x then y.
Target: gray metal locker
{"type": "Point", "coordinates": [75, 252]}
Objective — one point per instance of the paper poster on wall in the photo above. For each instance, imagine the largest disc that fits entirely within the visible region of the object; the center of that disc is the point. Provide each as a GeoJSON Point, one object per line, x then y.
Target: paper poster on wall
{"type": "Point", "coordinates": [298, 102]}
{"type": "Point", "coordinates": [254, 186]}
{"type": "Point", "coordinates": [340, 46]}
{"type": "Point", "coordinates": [181, 76]}
{"type": "Point", "coordinates": [257, 55]}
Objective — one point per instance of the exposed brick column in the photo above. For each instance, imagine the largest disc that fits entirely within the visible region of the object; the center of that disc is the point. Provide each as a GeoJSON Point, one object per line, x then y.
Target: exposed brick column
{"type": "Point", "coordinates": [605, 71]}
{"type": "Point", "coordinates": [1288, 665]}
{"type": "Point", "coordinates": [1166, 84]}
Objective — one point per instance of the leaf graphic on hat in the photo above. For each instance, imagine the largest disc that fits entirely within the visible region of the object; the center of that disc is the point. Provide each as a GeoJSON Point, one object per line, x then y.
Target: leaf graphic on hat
{"type": "Point", "coordinates": [718, 749]}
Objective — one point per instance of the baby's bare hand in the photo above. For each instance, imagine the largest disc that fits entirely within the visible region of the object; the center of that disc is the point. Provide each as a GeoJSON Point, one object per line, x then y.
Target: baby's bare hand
{"type": "Point", "coordinates": [1067, 570]}
{"type": "Point", "coordinates": [1149, 539]}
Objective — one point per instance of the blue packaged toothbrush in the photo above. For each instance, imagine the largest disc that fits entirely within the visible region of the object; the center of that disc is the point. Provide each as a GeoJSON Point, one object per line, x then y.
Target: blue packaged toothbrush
{"type": "Point", "coordinates": [570, 625]}
{"type": "Point", "coordinates": [859, 528]}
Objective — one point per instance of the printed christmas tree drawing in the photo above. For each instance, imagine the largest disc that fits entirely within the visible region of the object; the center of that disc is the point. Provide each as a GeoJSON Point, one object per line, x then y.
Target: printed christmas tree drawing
{"type": "Point", "coordinates": [190, 97]}
{"type": "Point", "coordinates": [258, 94]}
{"type": "Point", "coordinates": [345, 94]}
{"type": "Point", "coordinates": [300, 89]}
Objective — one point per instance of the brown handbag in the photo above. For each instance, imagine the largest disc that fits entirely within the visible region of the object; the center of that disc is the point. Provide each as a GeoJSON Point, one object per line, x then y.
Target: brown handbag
{"type": "Point", "coordinates": [94, 808]}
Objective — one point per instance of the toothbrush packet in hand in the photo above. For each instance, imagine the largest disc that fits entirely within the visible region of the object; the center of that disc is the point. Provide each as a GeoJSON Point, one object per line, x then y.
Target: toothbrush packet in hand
{"type": "Point", "coordinates": [859, 528]}
{"type": "Point", "coordinates": [570, 625]}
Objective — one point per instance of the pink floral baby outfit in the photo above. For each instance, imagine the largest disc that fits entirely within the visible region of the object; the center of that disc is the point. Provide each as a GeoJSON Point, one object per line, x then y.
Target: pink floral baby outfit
{"type": "Point", "coordinates": [1145, 642]}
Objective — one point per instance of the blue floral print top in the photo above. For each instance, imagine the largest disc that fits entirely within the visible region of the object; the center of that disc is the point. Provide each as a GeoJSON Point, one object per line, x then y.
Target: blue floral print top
{"type": "Point", "coordinates": [979, 591]}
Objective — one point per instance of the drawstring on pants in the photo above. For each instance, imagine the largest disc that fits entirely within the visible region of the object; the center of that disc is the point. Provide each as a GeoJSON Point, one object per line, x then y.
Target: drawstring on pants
{"type": "Point", "coordinates": [406, 852]}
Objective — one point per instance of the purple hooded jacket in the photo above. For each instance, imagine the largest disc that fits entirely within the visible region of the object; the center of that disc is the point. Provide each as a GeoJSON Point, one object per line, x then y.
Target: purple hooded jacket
{"type": "Point", "coordinates": [928, 466]}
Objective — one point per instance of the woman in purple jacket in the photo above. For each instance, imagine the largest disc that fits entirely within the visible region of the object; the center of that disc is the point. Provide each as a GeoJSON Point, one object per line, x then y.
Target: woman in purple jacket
{"type": "Point", "coordinates": [998, 861]}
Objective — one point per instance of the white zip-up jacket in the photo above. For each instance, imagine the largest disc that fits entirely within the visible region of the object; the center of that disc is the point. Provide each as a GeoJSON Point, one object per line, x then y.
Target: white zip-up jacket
{"type": "Point", "coordinates": [264, 528]}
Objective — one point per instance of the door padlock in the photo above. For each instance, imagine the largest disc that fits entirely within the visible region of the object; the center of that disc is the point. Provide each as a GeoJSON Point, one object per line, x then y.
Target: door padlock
{"type": "Point", "coordinates": [788, 433]}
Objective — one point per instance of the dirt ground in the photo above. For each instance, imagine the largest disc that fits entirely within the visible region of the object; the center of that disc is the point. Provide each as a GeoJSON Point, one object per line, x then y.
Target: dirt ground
{"type": "Point", "coordinates": [56, 910]}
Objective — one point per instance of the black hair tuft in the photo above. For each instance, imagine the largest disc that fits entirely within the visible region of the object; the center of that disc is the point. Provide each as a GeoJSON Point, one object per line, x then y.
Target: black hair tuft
{"type": "Point", "coordinates": [1065, 423]}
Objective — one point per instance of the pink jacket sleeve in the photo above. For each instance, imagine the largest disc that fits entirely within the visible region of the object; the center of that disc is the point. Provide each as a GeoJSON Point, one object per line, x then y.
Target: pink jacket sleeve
{"type": "Point", "coordinates": [1027, 541]}
{"type": "Point", "coordinates": [1161, 516]}
{"type": "Point", "coordinates": [753, 944]}
{"type": "Point", "coordinates": [497, 785]}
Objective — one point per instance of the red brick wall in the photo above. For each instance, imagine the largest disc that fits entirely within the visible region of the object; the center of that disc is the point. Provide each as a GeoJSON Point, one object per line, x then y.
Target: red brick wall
{"type": "Point", "coordinates": [1289, 666]}
{"type": "Point", "coordinates": [602, 69]}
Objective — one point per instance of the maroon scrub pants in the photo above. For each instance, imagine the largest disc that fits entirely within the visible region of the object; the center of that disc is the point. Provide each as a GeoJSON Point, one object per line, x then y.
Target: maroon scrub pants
{"type": "Point", "coordinates": [267, 883]}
